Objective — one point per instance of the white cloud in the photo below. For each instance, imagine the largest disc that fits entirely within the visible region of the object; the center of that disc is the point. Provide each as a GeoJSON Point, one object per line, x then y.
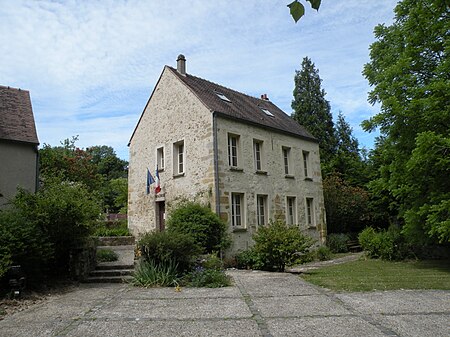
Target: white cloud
{"type": "Point", "coordinates": [90, 66]}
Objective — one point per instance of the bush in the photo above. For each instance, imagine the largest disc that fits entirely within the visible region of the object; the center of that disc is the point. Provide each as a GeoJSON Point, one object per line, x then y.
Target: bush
{"type": "Point", "coordinates": [278, 245]}
{"type": "Point", "coordinates": [210, 278]}
{"type": "Point", "coordinates": [64, 212]}
{"type": "Point", "coordinates": [23, 243]}
{"type": "Point", "coordinates": [386, 244]}
{"type": "Point", "coordinates": [152, 274]}
{"type": "Point", "coordinates": [323, 253]}
{"type": "Point", "coordinates": [106, 255]}
{"type": "Point", "coordinates": [111, 228]}
{"type": "Point", "coordinates": [206, 227]}
{"type": "Point", "coordinates": [161, 247]}
{"type": "Point", "coordinates": [247, 259]}
{"type": "Point", "coordinates": [338, 242]}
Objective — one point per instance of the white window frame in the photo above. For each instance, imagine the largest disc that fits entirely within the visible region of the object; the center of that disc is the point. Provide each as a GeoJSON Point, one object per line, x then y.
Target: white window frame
{"type": "Point", "coordinates": [286, 151]}
{"type": "Point", "coordinates": [261, 210]}
{"type": "Point", "coordinates": [237, 210]}
{"type": "Point", "coordinates": [291, 210]}
{"type": "Point", "coordinates": [306, 165]}
{"type": "Point", "coordinates": [179, 158]}
{"type": "Point", "coordinates": [160, 158]}
{"type": "Point", "coordinates": [233, 150]}
{"type": "Point", "coordinates": [310, 214]}
{"type": "Point", "coordinates": [258, 154]}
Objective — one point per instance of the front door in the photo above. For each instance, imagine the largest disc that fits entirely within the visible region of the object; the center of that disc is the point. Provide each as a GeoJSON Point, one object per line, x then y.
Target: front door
{"type": "Point", "coordinates": [160, 215]}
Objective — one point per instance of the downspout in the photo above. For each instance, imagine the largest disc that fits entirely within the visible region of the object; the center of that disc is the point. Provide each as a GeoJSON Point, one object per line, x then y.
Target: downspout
{"type": "Point", "coordinates": [216, 164]}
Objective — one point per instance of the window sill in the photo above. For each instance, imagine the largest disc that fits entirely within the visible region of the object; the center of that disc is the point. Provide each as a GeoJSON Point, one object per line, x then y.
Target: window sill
{"type": "Point", "coordinates": [236, 169]}
{"type": "Point", "coordinates": [160, 169]}
{"type": "Point", "coordinates": [289, 176]}
{"type": "Point", "coordinates": [178, 175]}
{"type": "Point", "coordinates": [308, 179]}
{"type": "Point", "coordinates": [263, 173]}
{"type": "Point", "coordinates": [312, 227]}
{"type": "Point", "coordinates": [239, 229]}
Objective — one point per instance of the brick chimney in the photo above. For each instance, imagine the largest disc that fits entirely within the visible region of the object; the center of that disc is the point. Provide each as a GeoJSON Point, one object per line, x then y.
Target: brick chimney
{"type": "Point", "coordinates": [264, 97]}
{"type": "Point", "coordinates": [181, 64]}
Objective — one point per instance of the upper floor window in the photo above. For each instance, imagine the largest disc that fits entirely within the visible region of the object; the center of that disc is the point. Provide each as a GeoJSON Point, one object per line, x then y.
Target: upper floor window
{"type": "Point", "coordinates": [306, 169]}
{"type": "Point", "coordinates": [233, 150]}
{"type": "Point", "coordinates": [286, 159]}
{"type": "Point", "coordinates": [257, 154]}
{"type": "Point", "coordinates": [178, 157]}
{"type": "Point", "coordinates": [291, 211]}
{"type": "Point", "coordinates": [310, 221]}
{"type": "Point", "coordinates": [261, 209]}
{"type": "Point", "coordinates": [237, 209]}
{"type": "Point", "coordinates": [160, 158]}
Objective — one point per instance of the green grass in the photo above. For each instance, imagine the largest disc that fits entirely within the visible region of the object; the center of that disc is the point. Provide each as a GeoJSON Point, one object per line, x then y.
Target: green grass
{"type": "Point", "coordinates": [106, 255]}
{"type": "Point", "coordinates": [368, 275]}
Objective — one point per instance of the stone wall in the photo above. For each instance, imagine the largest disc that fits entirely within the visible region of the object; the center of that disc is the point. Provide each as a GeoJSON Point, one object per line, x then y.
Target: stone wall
{"type": "Point", "coordinates": [173, 114]}
{"type": "Point", "coordinates": [271, 181]}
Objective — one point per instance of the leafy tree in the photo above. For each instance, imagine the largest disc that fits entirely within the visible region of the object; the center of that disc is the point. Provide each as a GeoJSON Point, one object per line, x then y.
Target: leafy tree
{"type": "Point", "coordinates": [297, 9]}
{"type": "Point", "coordinates": [107, 163]}
{"type": "Point", "coordinates": [347, 161]}
{"type": "Point", "coordinates": [347, 206]}
{"type": "Point", "coordinates": [409, 71]}
{"type": "Point", "coordinates": [312, 110]}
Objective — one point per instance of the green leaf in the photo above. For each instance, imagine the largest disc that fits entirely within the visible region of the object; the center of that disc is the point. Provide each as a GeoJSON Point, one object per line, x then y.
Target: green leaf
{"type": "Point", "coordinates": [297, 10]}
{"type": "Point", "coordinates": [315, 4]}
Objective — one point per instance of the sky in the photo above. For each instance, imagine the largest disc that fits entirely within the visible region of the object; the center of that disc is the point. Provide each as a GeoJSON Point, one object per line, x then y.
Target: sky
{"type": "Point", "coordinates": [91, 65]}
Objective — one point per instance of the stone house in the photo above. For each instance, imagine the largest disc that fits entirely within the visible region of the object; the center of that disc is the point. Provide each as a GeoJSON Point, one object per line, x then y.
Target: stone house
{"type": "Point", "coordinates": [241, 155]}
{"type": "Point", "coordinates": [18, 144]}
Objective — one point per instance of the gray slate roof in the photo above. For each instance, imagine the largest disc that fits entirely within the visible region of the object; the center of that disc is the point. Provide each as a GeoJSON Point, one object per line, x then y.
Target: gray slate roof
{"type": "Point", "coordinates": [242, 106]}
{"type": "Point", "coordinates": [16, 116]}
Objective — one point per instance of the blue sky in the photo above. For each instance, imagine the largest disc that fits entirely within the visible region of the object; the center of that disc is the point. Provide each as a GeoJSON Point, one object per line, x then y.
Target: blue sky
{"type": "Point", "coordinates": [90, 66]}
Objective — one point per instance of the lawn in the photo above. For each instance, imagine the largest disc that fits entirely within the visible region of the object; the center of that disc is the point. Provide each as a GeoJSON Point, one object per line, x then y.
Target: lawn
{"type": "Point", "coordinates": [368, 275]}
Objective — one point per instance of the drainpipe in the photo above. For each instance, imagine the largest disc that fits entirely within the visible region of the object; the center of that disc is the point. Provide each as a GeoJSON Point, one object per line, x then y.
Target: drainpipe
{"type": "Point", "coordinates": [216, 164]}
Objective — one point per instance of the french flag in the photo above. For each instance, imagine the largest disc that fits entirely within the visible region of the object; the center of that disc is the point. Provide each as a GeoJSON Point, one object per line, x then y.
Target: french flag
{"type": "Point", "coordinates": [158, 187]}
{"type": "Point", "coordinates": [150, 181]}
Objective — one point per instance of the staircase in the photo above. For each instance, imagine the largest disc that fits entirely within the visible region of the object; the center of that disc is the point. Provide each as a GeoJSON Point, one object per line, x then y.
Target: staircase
{"type": "Point", "coordinates": [119, 271]}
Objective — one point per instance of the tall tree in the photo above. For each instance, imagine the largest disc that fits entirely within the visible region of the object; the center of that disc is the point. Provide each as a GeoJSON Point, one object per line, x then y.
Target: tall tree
{"type": "Point", "coordinates": [409, 70]}
{"type": "Point", "coordinates": [347, 161]}
{"type": "Point", "coordinates": [312, 110]}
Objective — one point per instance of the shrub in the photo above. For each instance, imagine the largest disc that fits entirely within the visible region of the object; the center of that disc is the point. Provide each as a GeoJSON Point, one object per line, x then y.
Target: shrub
{"type": "Point", "coordinates": [152, 274]}
{"type": "Point", "coordinates": [211, 261]}
{"type": "Point", "coordinates": [111, 228]}
{"type": "Point", "coordinates": [278, 245]}
{"type": "Point", "coordinates": [64, 212]}
{"type": "Point", "coordinates": [323, 253]}
{"type": "Point", "coordinates": [23, 243]}
{"type": "Point", "coordinates": [210, 278]}
{"type": "Point", "coordinates": [161, 247]}
{"type": "Point", "coordinates": [106, 255]}
{"type": "Point", "coordinates": [386, 244]}
{"type": "Point", "coordinates": [247, 259]}
{"type": "Point", "coordinates": [206, 227]}
{"type": "Point", "coordinates": [338, 242]}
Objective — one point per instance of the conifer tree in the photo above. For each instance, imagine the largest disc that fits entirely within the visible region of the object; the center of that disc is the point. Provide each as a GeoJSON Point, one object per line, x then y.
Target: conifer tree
{"type": "Point", "coordinates": [312, 110]}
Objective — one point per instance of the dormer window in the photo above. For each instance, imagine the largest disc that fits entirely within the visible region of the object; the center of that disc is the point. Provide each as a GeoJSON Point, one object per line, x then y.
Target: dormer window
{"type": "Point", "coordinates": [223, 97]}
{"type": "Point", "coordinates": [267, 112]}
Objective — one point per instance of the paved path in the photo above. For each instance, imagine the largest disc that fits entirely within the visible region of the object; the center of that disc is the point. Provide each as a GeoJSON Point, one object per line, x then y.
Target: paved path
{"type": "Point", "coordinates": [260, 304]}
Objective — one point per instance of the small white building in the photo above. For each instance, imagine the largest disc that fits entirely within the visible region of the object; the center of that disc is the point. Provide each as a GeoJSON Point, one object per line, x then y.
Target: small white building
{"type": "Point", "coordinates": [242, 155]}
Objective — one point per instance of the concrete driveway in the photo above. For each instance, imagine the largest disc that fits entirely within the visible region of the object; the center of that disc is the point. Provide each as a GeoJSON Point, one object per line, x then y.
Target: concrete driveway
{"type": "Point", "coordinates": [259, 304]}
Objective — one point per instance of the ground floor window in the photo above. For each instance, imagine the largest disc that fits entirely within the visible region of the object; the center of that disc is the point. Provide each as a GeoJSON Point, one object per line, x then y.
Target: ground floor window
{"type": "Point", "coordinates": [261, 209]}
{"type": "Point", "coordinates": [310, 211]}
{"type": "Point", "coordinates": [237, 200]}
{"type": "Point", "coordinates": [291, 211]}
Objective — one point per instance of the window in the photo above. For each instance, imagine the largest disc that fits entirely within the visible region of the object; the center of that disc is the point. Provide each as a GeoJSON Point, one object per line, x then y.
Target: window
{"type": "Point", "coordinates": [261, 210]}
{"type": "Point", "coordinates": [286, 159]}
{"type": "Point", "coordinates": [310, 212]}
{"type": "Point", "coordinates": [257, 154]}
{"type": "Point", "coordinates": [160, 158]}
{"type": "Point", "coordinates": [267, 112]}
{"type": "Point", "coordinates": [237, 200]}
{"type": "Point", "coordinates": [178, 158]}
{"type": "Point", "coordinates": [233, 150]}
{"type": "Point", "coordinates": [306, 163]}
{"type": "Point", "coordinates": [223, 97]}
{"type": "Point", "coordinates": [291, 211]}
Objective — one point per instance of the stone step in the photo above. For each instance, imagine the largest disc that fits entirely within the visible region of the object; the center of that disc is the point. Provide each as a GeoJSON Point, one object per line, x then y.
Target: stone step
{"type": "Point", "coordinates": [111, 272]}
{"type": "Point", "coordinates": [109, 279]}
{"type": "Point", "coordinates": [105, 266]}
